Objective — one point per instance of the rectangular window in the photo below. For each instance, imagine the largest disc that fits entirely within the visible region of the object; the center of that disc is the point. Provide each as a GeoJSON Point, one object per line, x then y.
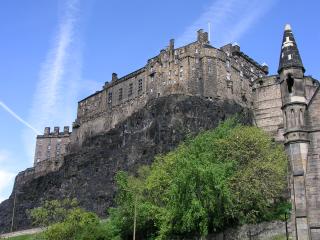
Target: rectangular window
{"type": "Point", "coordinates": [120, 94]}
{"type": "Point", "coordinates": [140, 86]}
{"type": "Point", "coordinates": [110, 97]}
{"type": "Point", "coordinates": [130, 91]}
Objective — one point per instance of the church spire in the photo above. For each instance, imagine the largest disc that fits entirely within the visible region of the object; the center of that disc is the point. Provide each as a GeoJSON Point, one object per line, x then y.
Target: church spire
{"type": "Point", "coordinates": [289, 57]}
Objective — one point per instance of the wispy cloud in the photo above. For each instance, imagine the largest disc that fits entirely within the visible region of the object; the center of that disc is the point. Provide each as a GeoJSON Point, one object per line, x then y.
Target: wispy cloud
{"type": "Point", "coordinates": [229, 19]}
{"type": "Point", "coordinates": [6, 181]}
{"type": "Point", "coordinates": [6, 176]}
{"type": "Point", "coordinates": [13, 114]}
{"type": "Point", "coordinates": [55, 97]}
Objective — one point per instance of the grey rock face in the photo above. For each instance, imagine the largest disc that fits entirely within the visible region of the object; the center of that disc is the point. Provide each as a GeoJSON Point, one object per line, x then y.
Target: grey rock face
{"type": "Point", "coordinates": [88, 173]}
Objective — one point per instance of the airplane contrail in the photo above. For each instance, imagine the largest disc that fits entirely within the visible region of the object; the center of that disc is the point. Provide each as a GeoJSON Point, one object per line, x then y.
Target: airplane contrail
{"type": "Point", "coordinates": [13, 114]}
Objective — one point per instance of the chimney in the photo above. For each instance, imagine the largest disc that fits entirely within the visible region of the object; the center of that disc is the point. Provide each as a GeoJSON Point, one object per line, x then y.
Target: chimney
{"type": "Point", "coordinates": [235, 47]}
{"type": "Point", "coordinates": [114, 77]}
{"type": "Point", "coordinates": [202, 37]}
{"type": "Point", "coordinates": [66, 130]}
{"type": "Point", "coordinates": [47, 131]}
{"type": "Point", "coordinates": [171, 44]}
{"type": "Point", "coordinates": [56, 130]}
{"type": "Point", "coordinates": [265, 68]}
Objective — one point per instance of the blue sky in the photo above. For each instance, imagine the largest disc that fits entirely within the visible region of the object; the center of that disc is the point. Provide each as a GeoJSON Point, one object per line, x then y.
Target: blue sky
{"type": "Point", "coordinates": [53, 53]}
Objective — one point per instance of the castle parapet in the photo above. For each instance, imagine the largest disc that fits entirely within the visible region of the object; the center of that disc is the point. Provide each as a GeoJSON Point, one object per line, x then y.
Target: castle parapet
{"type": "Point", "coordinates": [51, 145]}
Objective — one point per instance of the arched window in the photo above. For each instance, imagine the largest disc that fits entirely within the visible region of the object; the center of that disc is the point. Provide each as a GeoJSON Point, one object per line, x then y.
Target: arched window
{"type": "Point", "coordinates": [290, 82]}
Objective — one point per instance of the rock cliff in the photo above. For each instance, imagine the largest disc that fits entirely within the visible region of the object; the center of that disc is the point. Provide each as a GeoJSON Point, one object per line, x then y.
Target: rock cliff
{"type": "Point", "coordinates": [87, 173]}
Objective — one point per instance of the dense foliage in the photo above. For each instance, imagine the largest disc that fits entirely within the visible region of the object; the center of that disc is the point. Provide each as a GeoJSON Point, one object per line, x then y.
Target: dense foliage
{"type": "Point", "coordinates": [63, 220]}
{"type": "Point", "coordinates": [52, 211]}
{"type": "Point", "coordinates": [225, 177]}
{"type": "Point", "coordinates": [228, 176]}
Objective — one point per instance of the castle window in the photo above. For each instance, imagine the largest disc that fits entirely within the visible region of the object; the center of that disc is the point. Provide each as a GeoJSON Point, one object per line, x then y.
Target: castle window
{"type": "Point", "coordinates": [120, 94]}
{"type": "Point", "coordinates": [140, 86]}
{"type": "Point", "coordinates": [290, 83]}
{"type": "Point", "coordinates": [130, 89]}
{"type": "Point", "coordinates": [197, 51]}
{"type": "Point", "coordinates": [289, 57]}
{"type": "Point", "coordinates": [110, 97]}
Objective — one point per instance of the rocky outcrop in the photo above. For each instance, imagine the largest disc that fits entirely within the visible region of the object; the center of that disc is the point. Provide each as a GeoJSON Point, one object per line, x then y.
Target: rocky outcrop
{"type": "Point", "coordinates": [87, 173]}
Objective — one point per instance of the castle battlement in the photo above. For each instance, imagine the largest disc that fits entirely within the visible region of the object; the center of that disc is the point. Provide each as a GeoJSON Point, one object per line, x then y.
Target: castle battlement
{"type": "Point", "coordinates": [51, 145]}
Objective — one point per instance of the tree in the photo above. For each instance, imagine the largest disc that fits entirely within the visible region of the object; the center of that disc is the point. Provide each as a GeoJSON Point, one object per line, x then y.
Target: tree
{"type": "Point", "coordinates": [228, 176]}
{"type": "Point", "coordinates": [52, 211]}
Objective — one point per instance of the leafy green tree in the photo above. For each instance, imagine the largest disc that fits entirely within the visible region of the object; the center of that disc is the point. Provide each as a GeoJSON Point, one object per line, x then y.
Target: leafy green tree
{"type": "Point", "coordinates": [52, 211]}
{"type": "Point", "coordinates": [231, 175]}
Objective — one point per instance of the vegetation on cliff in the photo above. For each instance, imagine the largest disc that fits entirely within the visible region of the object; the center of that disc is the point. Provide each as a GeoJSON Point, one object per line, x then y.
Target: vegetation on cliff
{"type": "Point", "coordinates": [225, 177]}
{"type": "Point", "coordinates": [228, 176]}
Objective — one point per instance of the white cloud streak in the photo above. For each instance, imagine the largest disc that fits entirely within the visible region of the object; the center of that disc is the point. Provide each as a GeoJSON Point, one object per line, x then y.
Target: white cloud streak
{"type": "Point", "coordinates": [52, 88]}
{"type": "Point", "coordinates": [55, 97]}
{"type": "Point", "coordinates": [13, 114]}
{"type": "Point", "coordinates": [230, 20]}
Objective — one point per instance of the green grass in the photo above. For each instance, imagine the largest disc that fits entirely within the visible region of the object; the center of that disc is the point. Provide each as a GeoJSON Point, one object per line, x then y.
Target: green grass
{"type": "Point", "coordinates": [24, 237]}
{"type": "Point", "coordinates": [279, 237]}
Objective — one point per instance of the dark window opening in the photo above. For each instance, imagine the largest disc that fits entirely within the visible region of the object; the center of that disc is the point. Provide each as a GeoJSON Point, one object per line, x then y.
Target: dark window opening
{"type": "Point", "coordinates": [130, 89]}
{"type": "Point", "coordinates": [140, 86]}
{"type": "Point", "coordinates": [120, 94]}
{"type": "Point", "coordinates": [110, 97]}
{"type": "Point", "coordinates": [290, 83]}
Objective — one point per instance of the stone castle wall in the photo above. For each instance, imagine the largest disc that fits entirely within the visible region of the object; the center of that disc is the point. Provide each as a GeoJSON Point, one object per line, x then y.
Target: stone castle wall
{"type": "Point", "coordinates": [195, 69]}
{"type": "Point", "coordinates": [267, 105]}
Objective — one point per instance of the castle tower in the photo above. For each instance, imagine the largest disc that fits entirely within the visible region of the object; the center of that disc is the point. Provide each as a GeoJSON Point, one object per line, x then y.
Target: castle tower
{"type": "Point", "coordinates": [294, 107]}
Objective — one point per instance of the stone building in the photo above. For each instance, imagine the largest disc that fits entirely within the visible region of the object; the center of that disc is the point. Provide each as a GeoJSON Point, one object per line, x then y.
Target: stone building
{"type": "Point", "coordinates": [51, 145]}
{"type": "Point", "coordinates": [286, 105]}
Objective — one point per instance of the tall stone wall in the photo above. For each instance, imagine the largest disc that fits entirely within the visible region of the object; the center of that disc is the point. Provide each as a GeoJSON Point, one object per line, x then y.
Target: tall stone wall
{"type": "Point", "coordinates": [267, 105]}
{"type": "Point", "coordinates": [313, 165]}
{"type": "Point", "coordinates": [195, 69]}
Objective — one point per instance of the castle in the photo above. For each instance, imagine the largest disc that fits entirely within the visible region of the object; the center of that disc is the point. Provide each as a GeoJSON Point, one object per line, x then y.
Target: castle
{"type": "Point", "coordinates": [286, 105]}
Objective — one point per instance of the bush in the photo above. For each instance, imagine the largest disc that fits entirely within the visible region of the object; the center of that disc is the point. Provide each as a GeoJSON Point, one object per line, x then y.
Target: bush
{"type": "Point", "coordinates": [228, 176]}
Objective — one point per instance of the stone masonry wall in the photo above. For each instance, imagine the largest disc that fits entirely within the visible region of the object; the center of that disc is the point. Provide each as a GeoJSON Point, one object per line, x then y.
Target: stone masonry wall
{"type": "Point", "coordinates": [195, 69]}
{"type": "Point", "coordinates": [267, 105]}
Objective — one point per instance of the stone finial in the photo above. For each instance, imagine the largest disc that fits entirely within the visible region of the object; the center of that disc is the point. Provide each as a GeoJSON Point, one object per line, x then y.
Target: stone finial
{"type": "Point", "coordinates": [47, 131]}
{"type": "Point", "coordinates": [287, 27]}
